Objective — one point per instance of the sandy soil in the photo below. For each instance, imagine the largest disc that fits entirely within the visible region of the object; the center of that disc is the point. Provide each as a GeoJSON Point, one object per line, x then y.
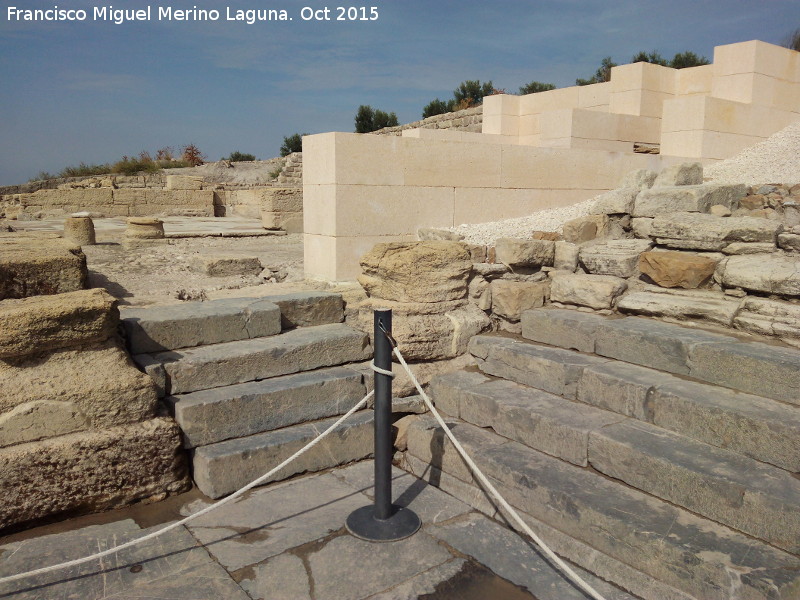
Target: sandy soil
{"type": "Point", "coordinates": [165, 272]}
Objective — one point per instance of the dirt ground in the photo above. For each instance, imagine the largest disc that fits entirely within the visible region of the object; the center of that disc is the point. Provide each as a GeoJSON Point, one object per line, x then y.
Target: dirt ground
{"type": "Point", "coordinates": [170, 271]}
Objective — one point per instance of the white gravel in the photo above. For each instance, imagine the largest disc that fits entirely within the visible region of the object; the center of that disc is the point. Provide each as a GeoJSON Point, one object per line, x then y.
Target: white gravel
{"type": "Point", "coordinates": [775, 160]}
{"type": "Point", "coordinates": [551, 219]}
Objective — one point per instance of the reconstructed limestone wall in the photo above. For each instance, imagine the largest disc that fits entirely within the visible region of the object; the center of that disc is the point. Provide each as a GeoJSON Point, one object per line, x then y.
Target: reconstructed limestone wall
{"type": "Point", "coordinates": [710, 112]}
{"type": "Point", "coordinates": [79, 424]}
{"type": "Point", "coordinates": [359, 190]}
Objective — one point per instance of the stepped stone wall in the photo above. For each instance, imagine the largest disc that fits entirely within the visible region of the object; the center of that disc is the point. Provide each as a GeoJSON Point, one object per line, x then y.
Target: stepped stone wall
{"type": "Point", "coordinates": [469, 119]}
{"type": "Point", "coordinates": [79, 426]}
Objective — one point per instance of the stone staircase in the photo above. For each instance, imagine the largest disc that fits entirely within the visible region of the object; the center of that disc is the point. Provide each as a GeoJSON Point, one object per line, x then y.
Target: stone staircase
{"type": "Point", "coordinates": [661, 458]}
{"type": "Point", "coordinates": [252, 380]}
{"type": "Point", "coordinates": [292, 172]}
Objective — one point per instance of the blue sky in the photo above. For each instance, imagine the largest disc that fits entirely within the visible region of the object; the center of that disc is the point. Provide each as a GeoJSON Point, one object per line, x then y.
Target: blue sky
{"type": "Point", "coordinates": [94, 91]}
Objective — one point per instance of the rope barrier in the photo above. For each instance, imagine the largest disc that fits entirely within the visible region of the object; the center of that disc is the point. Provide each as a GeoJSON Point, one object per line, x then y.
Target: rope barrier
{"type": "Point", "coordinates": [488, 485]}
{"type": "Point", "coordinates": [206, 510]}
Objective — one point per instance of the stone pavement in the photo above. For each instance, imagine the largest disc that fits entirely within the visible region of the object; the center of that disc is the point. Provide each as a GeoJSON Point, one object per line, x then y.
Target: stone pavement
{"type": "Point", "coordinates": [287, 541]}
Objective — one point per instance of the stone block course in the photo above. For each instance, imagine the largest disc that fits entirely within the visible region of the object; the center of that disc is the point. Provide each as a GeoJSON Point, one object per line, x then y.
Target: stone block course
{"type": "Point", "coordinates": [755, 368]}
{"type": "Point", "coordinates": [535, 418]}
{"type": "Point", "coordinates": [689, 231]}
{"type": "Point", "coordinates": [247, 360]}
{"type": "Point", "coordinates": [677, 269]}
{"type": "Point", "coordinates": [709, 307]}
{"type": "Point", "coordinates": [220, 469]}
{"type": "Point", "coordinates": [751, 497]}
{"type": "Point", "coordinates": [619, 258]}
{"type": "Point", "coordinates": [553, 370]}
{"type": "Point", "coordinates": [511, 298]}
{"type": "Point", "coordinates": [773, 273]}
{"type": "Point", "coordinates": [652, 343]}
{"type": "Point", "coordinates": [210, 416]}
{"type": "Point", "coordinates": [516, 253]}
{"type": "Point", "coordinates": [563, 328]}
{"type": "Point", "coordinates": [42, 323]}
{"type": "Point", "coordinates": [306, 309]}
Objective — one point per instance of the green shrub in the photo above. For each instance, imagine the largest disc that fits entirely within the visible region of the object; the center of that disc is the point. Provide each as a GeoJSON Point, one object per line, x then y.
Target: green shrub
{"type": "Point", "coordinates": [471, 93]}
{"type": "Point", "coordinates": [683, 60]}
{"type": "Point", "coordinates": [42, 176]}
{"type": "Point", "coordinates": [369, 119]}
{"type": "Point", "coordinates": [792, 41]}
{"type": "Point", "coordinates": [84, 170]}
{"type": "Point", "coordinates": [292, 143]}
{"type": "Point", "coordinates": [650, 57]}
{"type": "Point", "coordinates": [437, 107]}
{"type": "Point", "coordinates": [534, 87]}
{"type": "Point", "coordinates": [240, 157]}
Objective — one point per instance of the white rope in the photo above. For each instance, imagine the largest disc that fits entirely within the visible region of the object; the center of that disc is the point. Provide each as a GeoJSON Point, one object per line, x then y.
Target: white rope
{"type": "Point", "coordinates": [207, 509]}
{"type": "Point", "coordinates": [487, 484]}
{"type": "Point", "coordinates": [379, 370]}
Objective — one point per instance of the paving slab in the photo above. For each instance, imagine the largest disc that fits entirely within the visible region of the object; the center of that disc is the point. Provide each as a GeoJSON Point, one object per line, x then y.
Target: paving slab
{"type": "Point", "coordinates": [190, 324]}
{"type": "Point", "coordinates": [286, 541]}
{"type": "Point", "coordinates": [514, 558]}
{"type": "Point", "coordinates": [170, 567]}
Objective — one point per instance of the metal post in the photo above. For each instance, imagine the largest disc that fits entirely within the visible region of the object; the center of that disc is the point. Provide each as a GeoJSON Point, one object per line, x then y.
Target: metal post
{"type": "Point", "coordinates": [383, 521]}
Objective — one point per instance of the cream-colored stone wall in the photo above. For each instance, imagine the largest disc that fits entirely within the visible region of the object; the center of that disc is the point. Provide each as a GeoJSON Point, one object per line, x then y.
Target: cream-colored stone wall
{"type": "Point", "coordinates": [709, 113]}
{"type": "Point", "coordinates": [360, 190]}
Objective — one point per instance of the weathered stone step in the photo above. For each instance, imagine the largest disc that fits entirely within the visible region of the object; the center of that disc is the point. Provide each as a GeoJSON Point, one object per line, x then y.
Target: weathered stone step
{"type": "Point", "coordinates": [553, 370]}
{"type": "Point", "coordinates": [192, 324]}
{"type": "Point", "coordinates": [757, 427]}
{"type": "Point", "coordinates": [758, 499]}
{"type": "Point", "coordinates": [303, 349]}
{"type": "Point", "coordinates": [539, 420]}
{"type": "Point", "coordinates": [222, 468]}
{"type": "Point", "coordinates": [215, 415]}
{"type": "Point", "coordinates": [749, 496]}
{"type": "Point", "coordinates": [669, 544]}
{"type": "Point", "coordinates": [753, 367]}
